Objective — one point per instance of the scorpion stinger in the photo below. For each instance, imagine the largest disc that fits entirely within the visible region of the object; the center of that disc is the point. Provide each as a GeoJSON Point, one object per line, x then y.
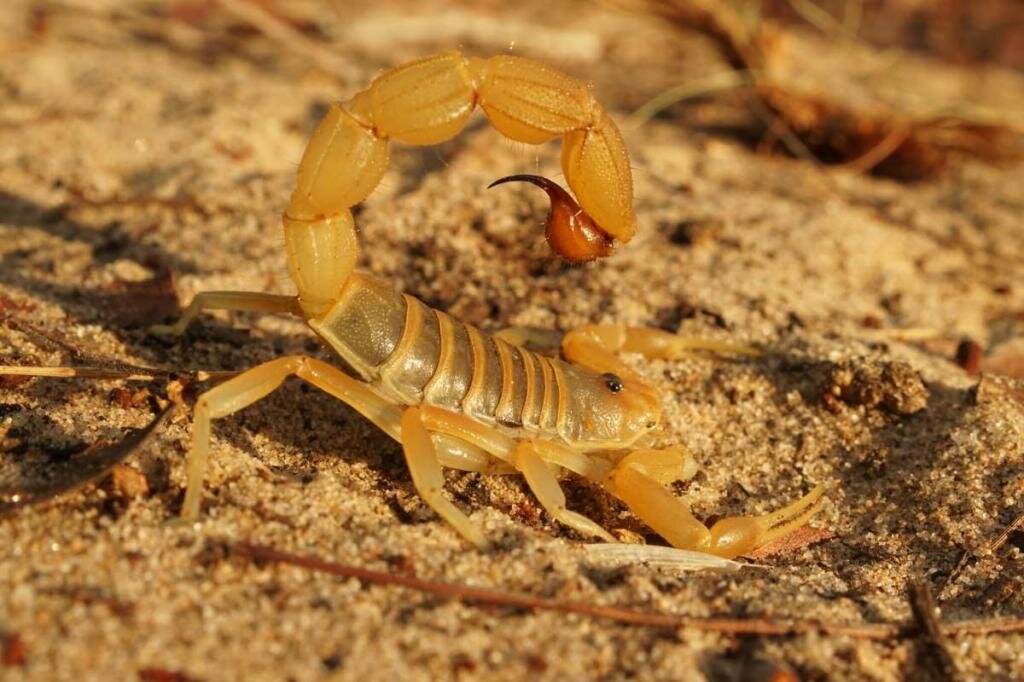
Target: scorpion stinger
{"type": "Point", "coordinates": [570, 232]}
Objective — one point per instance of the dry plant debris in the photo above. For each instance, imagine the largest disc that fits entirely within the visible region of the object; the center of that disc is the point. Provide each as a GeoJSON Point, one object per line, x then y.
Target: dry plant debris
{"type": "Point", "coordinates": [819, 126]}
{"type": "Point", "coordinates": [31, 482]}
{"type": "Point", "coordinates": [766, 627]}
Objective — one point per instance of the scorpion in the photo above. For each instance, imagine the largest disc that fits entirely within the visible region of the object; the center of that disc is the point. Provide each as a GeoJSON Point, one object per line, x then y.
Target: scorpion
{"type": "Point", "coordinates": [451, 395]}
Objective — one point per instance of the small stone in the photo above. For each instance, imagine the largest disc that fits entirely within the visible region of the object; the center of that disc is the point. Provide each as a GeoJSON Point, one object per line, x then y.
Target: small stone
{"type": "Point", "coordinates": [128, 482]}
{"type": "Point", "coordinates": [993, 387]}
{"type": "Point", "coordinates": [893, 386]}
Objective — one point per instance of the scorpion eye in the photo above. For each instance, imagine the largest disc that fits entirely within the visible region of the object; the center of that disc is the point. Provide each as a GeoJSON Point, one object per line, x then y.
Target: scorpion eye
{"type": "Point", "coordinates": [613, 382]}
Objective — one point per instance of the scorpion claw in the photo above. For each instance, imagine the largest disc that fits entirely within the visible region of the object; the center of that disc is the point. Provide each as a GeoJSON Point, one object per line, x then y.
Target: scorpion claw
{"type": "Point", "coordinates": [570, 232]}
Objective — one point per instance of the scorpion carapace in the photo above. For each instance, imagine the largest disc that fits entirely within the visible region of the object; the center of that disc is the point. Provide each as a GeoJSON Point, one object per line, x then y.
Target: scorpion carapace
{"type": "Point", "coordinates": [450, 394]}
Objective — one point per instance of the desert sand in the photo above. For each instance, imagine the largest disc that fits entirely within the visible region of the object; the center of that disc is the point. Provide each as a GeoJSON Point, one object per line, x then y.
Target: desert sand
{"type": "Point", "coordinates": [144, 141]}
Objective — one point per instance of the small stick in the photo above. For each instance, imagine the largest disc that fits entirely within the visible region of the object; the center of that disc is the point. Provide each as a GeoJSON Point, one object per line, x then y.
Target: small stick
{"type": "Point", "coordinates": [1015, 525]}
{"type": "Point", "coordinates": [115, 370]}
{"type": "Point", "coordinates": [822, 20]}
{"type": "Point", "coordinates": [700, 87]}
{"type": "Point", "coordinates": [885, 148]}
{"type": "Point", "coordinates": [88, 367]}
{"type": "Point", "coordinates": [126, 373]}
{"type": "Point", "coordinates": [736, 626]}
{"type": "Point", "coordinates": [481, 595]}
{"type": "Point", "coordinates": [922, 603]}
{"type": "Point", "coordinates": [991, 548]}
{"type": "Point", "coordinates": [907, 334]}
{"type": "Point", "coordinates": [45, 337]}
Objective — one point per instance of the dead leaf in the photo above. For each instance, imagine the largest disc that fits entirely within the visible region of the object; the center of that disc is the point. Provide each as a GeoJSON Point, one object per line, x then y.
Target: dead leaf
{"type": "Point", "coordinates": [18, 490]}
{"type": "Point", "coordinates": [139, 304]}
{"type": "Point", "coordinates": [804, 536]}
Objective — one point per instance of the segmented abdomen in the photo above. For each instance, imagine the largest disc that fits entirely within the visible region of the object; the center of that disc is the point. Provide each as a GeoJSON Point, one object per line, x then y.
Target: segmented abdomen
{"type": "Point", "coordinates": [417, 355]}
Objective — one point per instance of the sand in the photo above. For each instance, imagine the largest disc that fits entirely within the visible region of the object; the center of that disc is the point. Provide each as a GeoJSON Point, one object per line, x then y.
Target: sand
{"type": "Point", "coordinates": [134, 143]}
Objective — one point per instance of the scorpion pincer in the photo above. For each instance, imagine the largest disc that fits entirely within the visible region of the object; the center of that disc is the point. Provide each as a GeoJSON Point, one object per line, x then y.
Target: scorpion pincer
{"type": "Point", "coordinates": [451, 395]}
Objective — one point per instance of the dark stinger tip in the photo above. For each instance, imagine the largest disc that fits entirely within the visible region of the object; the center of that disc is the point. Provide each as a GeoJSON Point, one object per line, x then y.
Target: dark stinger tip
{"type": "Point", "coordinates": [538, 180]}
{"type": "Point", "coordinates": [570, 232]}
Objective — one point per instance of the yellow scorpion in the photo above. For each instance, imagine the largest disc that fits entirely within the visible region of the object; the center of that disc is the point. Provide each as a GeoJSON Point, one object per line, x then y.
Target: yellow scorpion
{"type": "Point", "coordinates": [451, 395]}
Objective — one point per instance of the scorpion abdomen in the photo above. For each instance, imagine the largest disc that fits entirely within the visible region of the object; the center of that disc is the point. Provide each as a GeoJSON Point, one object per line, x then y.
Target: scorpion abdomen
{"type": "Point", "coordinates": [416, 355]}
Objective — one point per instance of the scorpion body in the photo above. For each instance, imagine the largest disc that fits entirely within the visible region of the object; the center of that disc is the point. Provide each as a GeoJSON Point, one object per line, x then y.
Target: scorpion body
{"type": "Point", "coordinates": [451, 395]}
{"type": "Point", "coordinates": [415, 355]}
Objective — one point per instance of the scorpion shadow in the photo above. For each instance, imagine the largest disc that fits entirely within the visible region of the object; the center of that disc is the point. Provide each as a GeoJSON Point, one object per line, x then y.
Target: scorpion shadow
{"type": "Point", "coordinates": [106, 243]}
{"type": "Point", "coordinates": [208, 338]}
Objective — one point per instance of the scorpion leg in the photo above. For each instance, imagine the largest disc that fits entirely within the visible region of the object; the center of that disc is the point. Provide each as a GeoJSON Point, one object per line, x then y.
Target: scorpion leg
{"type": "Point", "coordinates": [639, 478]}
{"type": "Point", "coordinates": [545, 487]}
{"type": "Point", "coordinates": [532, 461]}
{"type": "Point", "coordinates": [539, 339]}
{"type": "Point", "coordinates": [595, 346]}
{"type": "Point", "coordinates": [425, 467]}
{"type": "Point", "coordinates": [455, 453]}
{"type": "Point", "coordinates": [258, 382]}
{"type": "Point", "coordinates": [639, 481]}
{"type": "Point", "coordinates": [502, 448]}
{"type": "Point", "coordinates": [491, 441]}
{"type": "Point", "coordinates": [229, 300]}
{"type": "Point", "coordinates": [657, 343]}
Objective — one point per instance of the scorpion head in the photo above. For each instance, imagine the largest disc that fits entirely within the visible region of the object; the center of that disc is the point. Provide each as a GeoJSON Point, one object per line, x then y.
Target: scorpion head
{"type": "Point", "coordinates": [614, 411]}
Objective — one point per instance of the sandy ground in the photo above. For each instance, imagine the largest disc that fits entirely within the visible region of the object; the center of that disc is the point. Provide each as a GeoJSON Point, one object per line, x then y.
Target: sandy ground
{"type": "Point", "coordinates": [133, 143]}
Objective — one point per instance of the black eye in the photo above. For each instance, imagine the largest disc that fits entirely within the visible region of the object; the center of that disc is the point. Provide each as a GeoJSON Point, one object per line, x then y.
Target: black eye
{"type": "Point", "coordinates": [613, 382]}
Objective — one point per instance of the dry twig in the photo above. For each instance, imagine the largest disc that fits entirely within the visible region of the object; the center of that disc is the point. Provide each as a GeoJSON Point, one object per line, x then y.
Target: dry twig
{"type": "Point", "coordinates": [922, 604]}
{"type": "Point", "coordinates": [764, 627]}
{"type": "Point", "coordinates": [990, 548]}
{"type": "Point", "coordinates": [819, 128]}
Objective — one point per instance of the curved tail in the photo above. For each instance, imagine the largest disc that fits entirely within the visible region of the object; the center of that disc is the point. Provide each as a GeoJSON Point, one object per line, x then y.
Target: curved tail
{"type": "Point", "coordinates": [427, 102]}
